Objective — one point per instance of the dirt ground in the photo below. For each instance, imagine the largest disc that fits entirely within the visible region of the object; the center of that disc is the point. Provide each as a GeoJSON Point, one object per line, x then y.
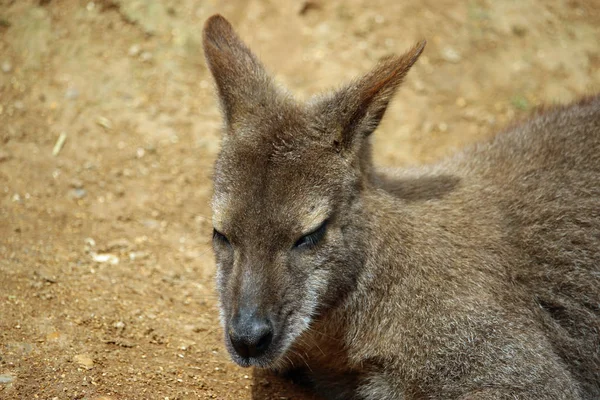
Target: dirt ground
{"type": "Point", "coordinates": [106, 271]}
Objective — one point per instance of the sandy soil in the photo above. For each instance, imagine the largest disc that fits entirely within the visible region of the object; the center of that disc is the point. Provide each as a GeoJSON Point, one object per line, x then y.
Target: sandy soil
{"type": "Point", "coordinates": [106, 272]}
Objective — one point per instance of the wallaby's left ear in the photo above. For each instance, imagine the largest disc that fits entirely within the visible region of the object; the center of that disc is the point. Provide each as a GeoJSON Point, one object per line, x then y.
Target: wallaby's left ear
{"type": "Point", "coordinates": [357, 109]}
{"type": "Point", "coordinates": [242, 81]}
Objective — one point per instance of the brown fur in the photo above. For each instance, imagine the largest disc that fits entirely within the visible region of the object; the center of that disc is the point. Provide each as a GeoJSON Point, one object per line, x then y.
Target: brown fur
{"type": "Point", "coordinates": [475, 278]}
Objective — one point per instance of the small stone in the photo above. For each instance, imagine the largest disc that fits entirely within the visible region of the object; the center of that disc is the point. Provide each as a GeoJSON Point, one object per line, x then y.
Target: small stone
{"type": "Point", "coordinates": [71, 93]}
{"type": "Point", "coordinates": [134, 50]}
{"type": "Point", "coordinates": [140, 152]}
{"type": "Point", "coordinates": [138, 255]}
{"type": "Point", "coordinates": [84, 361]}
{"type": "Point", "coordinates": [76, 184]}
{"type": "Point", "coordinates": [105, 258]}
{"type": "Point", "coordinates": [104, 122]}
{"type": "Point", "coordinates": [419, 85]}
{"type": "Point", "coordinates": [451, 55]}
{"type": "Point", "coordinates": [6, 67]}
{"type": "Point", "coordinates": [151, 223]}
{"type": "Point", "coordinates": [90, 242]}
{"type": "Point", "coordinates": [4, 379]}
{"type": "Point", "coordinates": [16, 198]}
{"type": "Point", "coordinates": [120, 325]}
{"type": "Point", "coordinates": [461, 102]}
{"type": "Point", "coordinates": [77, 194]}
{"type": "Point", "coordinates": [146, 56]}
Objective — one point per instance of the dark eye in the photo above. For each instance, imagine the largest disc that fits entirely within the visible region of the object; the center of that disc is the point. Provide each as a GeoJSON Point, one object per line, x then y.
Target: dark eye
{"type": "Point", "coordinates": [220, 238]}
{"type": "Point", "coordinates": [313, 238]}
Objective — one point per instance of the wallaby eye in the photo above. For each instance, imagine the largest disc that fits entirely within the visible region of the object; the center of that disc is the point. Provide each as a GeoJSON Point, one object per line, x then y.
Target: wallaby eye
{"type": "Point", "coordinates": [313, 238]}
{"type": "Point", "coordinates": [220, 238]}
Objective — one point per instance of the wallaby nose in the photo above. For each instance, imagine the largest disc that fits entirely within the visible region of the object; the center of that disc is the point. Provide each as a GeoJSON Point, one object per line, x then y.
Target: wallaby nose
{"type": "Point", "coordinates": [251, 337]}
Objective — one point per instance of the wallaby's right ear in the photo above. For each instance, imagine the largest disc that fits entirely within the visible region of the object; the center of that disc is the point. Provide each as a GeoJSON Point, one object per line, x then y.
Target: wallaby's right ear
{"type": "Point", "coordinates": [242, 81]}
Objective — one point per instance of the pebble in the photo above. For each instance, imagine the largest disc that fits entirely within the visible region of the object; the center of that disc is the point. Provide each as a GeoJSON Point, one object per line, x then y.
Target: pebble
{"type": "Point", "coordinates": [77, 193]}
{"type": "Point", "coordinates": [419, 85]}
{"type": "Point", "coordinates": [119, 325]}
{"type": "Point", "coordinates": [138, 255]}
{"type": "Point", "coordinates": [134, 50]}
{"type": "Point", "coordinates": [6, 67]}
{"type": "Point", "coordinates": [151, 223]}
{"type": "Point", "coordinates": [105, 258]}
{"type": "Point", "coordinates": [104, 122]}
{"type": "Point", "coordinates": [6, 379]}
{"type": "Point", "coordinates": [71, 93]}
{"type": "Point", "coordinates": [451, 55]}
{"type": "Point", "coordinates": [84, 361]}
{"type": "Point", "coordinates": [76, 184]}
{"type": "Point", "coordinates": [146, 56]}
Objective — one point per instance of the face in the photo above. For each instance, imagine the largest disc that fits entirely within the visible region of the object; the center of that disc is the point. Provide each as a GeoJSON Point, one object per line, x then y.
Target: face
{"type": "Point", "coordinates": [287, 205]}
{"type": "Point", "coordinates": [285, 239]}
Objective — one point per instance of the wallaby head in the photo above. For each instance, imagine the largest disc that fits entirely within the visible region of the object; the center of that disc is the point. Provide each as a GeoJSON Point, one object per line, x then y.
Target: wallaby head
{"type": "Point", "coordinates": [289, 229]}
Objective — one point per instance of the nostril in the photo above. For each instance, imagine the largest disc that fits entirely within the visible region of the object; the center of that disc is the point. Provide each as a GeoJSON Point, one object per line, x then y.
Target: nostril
{"type": "Point", "coordinates": [262, 344]}
{"type": "Point", "coordinates": [239, 344]}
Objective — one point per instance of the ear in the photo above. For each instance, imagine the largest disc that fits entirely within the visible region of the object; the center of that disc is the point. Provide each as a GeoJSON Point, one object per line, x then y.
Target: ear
{"type": "Point", "coordinates": [357, 109]}
{"type": "Point", "coordinates": [242, 81]}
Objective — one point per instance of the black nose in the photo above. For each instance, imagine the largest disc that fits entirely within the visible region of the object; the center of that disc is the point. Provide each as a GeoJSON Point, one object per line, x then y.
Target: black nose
{"type": "Point", "coordinates": [251, 337]}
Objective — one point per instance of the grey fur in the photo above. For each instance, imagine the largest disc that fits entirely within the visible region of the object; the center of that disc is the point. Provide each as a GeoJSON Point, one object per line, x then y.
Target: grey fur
{"type": "Point", "coordinates": [475, 278]}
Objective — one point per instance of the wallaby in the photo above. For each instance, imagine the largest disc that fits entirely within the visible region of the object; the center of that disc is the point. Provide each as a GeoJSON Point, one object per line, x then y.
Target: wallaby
{"type": "Point", "coordinates": [475, 278]}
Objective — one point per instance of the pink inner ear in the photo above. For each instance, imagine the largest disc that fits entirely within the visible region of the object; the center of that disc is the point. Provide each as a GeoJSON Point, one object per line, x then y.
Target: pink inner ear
{"type": "Point", "coordinates": [390, 74]}
{"type": "Point", "coordinates": [371, 96]}
{"type": "Point", "coordinates": [241, 79]}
